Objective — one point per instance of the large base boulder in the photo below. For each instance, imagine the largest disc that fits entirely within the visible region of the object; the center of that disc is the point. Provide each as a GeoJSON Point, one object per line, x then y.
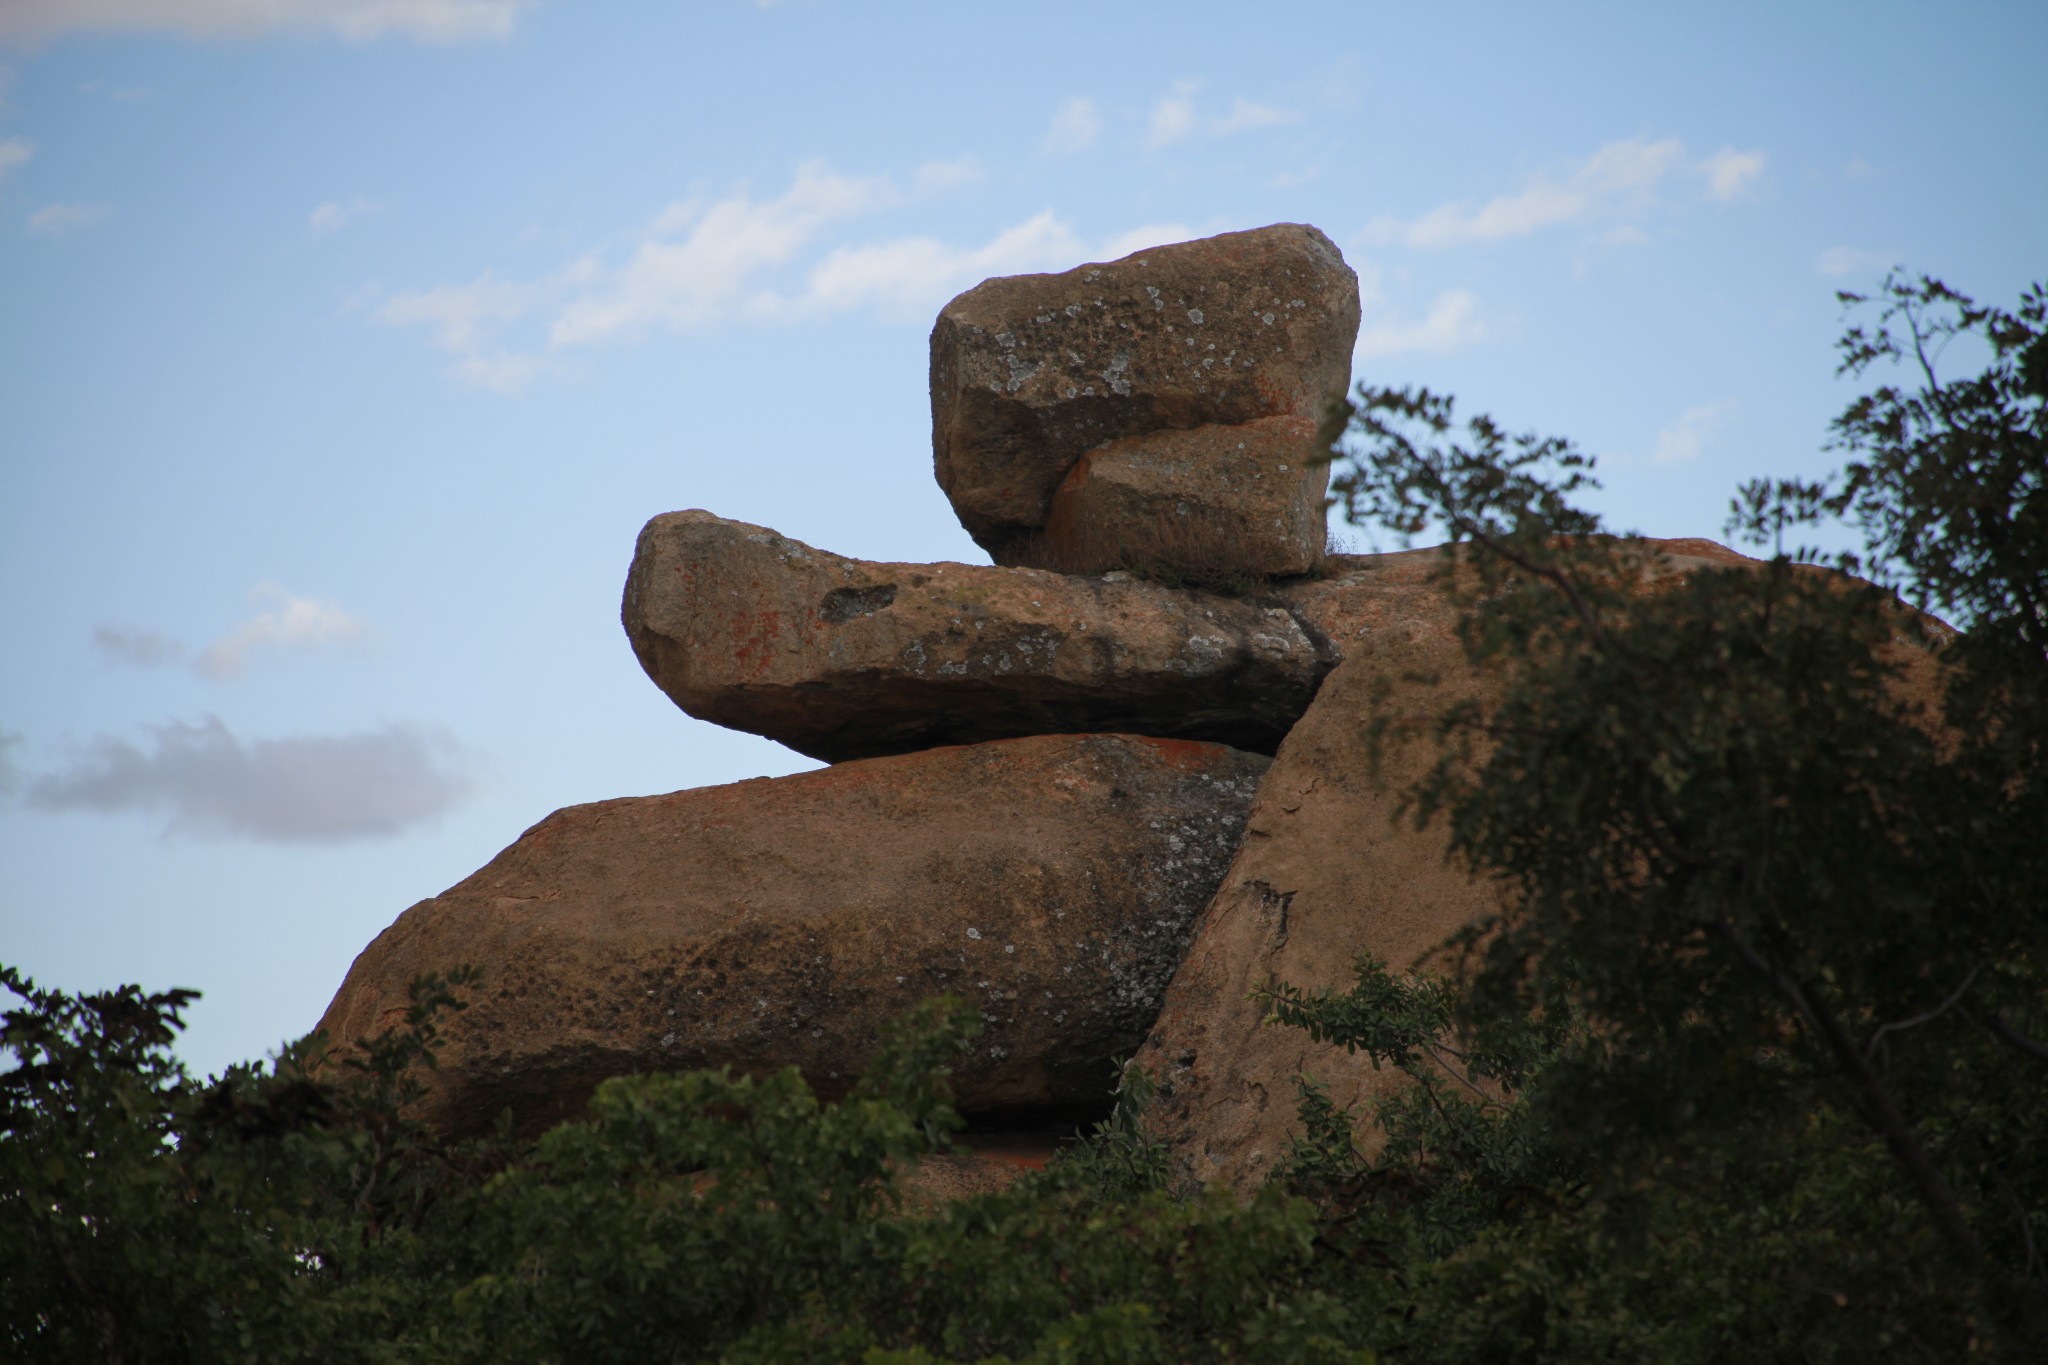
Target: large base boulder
{"type": "Point", "coordinates": [1030, 372]}
{"type": "Point", "coordinates": [1327, 871]}
{"type": "Point", "coordinates": [839, 658]}
{"type": "Point", "coordinates": [781, 922]}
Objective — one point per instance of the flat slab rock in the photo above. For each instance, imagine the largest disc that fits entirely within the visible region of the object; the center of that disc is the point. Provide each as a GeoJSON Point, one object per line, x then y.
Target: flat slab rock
{"type": "Point", "coordinates": [1029, 372]}
{"type": "Point", "coordinates": [783, 921]}
{"type": "Point", "coordinates": [840, 658]}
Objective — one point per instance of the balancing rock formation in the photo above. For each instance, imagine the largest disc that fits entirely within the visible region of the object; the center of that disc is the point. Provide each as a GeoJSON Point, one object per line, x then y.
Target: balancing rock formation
{"type": "Point", "coordinates": [1050, 790]}
{"type": "Point", "coordinates": [1192, 378]}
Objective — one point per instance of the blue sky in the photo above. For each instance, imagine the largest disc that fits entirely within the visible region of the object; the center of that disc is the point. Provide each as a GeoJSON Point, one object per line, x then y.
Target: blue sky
{"type": "Point", "coordinates": [346, 344]}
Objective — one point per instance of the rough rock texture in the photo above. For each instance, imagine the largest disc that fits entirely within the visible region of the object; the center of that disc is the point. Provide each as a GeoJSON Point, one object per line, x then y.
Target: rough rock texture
{"type": "Point", "coordinates": [838, 658]}
{"type": "Point", "coordinates": [1207, 503]}
{"type": "Point", "coordinates": [782, 921]}
{"type": "Point", "coordinates": [1028, 372]}
{"type": "Point", "coordinates": [1324, 874]}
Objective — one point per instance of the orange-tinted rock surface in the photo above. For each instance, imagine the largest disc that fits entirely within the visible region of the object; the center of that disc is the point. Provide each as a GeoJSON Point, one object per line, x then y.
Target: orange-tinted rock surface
{"type": "Point", "coordinates": [1029, 372]}
{"type": "Point", "coordinates": [1325, 873]}
{"type": "Point", "coordinates": [1051, 881]}
{"type": "Point", "coordinates": [839, 658]}
{"type": "Point", "coordinates": [1207, 504]}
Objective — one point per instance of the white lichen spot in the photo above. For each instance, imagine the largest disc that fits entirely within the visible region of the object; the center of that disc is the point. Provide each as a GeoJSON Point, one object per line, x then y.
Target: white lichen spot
{"type": "Point", "coordinates": [974, 933]}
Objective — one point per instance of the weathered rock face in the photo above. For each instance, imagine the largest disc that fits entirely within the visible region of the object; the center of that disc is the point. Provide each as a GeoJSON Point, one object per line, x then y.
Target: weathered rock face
{"type": "Point", "coordinates": [781, 921]}
{"type": "Point", "coordinates": [1209, 502]}
{"type": "Point", "coordinates": [1030, 372]}
{"type": "Point", "coordinates": [841, 659]}
{"type": "Point", "coordinates": [1325, 873]}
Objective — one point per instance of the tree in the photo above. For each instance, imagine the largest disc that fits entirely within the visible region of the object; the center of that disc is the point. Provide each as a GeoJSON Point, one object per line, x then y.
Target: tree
{"type": "Point", "coordinates": [1774, 840]}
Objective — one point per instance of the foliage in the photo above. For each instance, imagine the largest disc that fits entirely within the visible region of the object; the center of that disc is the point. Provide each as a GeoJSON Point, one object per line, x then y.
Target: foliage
{"type": "Point", "coordinates": [293, 1212]}
{"type": "Point", "coordinates": [1777, 839]}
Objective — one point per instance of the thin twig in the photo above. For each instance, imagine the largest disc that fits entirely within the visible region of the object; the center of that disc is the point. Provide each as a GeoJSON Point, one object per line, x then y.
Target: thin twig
{"type": "Point", "coordinates": [1870, 1048]}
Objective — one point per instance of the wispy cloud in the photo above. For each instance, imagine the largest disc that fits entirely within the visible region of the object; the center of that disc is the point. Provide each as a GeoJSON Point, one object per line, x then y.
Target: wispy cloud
{"type": "Point", "coordinates": [1176, 118]}
{"type": "Point", "coordinates": [432, 21]}
{"type": "Point", "coordinates": [336, 214]}
{"type": "Point", "coordinates": [1245, 114]}
{"type": "Point", "coordinates": [703, 264]}
{"type": "Point", "coordinates": [1173, 116]}
{"type": "Point", "coordinates": [137, 648]}
{"type": "Point", "coordinates": [910, 276]}
{"type": "Point", "coordinates": [1837, 261]}
{"type": "Point", "coordinates": [299, 789]}
{"type": "Point", "coordinates": [936, 177]}
{"type": "Point", "coordinates": [1075, 126]}
{"type": "Point", "coordinates": [10, 775]}
{"type": "Point", "coordinates": [1451, 321]}
{"type": "Point", "coordinates": [14, 151]}
{"type": "Point", "coordinates": [702, 278]}
{"type": "Point", "coordinates": [59, 220]}
{"type": "Point", "coordinates": [1731, 174]}
{"type": "Point", "coordinates": [462, 315]}
{"type": "Point", "coordinates": [290, 623]}
{"type": "Point", "coordinates": [1139, 239]}
{"type": "Point", "coordinates": [1620, 178]}
{"type": "Point", "coordinates": [287, 622]}
{"type": "Point", "coordinates": [1682, 441]}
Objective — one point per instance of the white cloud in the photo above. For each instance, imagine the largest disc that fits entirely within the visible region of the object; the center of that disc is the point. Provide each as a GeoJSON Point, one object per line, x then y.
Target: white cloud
{"type": "Point", "coordinates": [57, 220]}
{"type": "Point", "coordinates": [10, 775]}
{"type": "Point", "coordinates": [1452, 321]}
{"type": "Point", "coordinates": [1139, 239]}
{"type": "Point", "coordinates": [1731, 173]}
{"type": "Point", "coordinates": [911, 276]}
{"type": "Point", "coordinates": [1838, 261]}
{"type": "Point", "coordinates": [290, 623]}
{"type": "Point", "coordinates": [1681, 442]}
{"type": "Point", "coordinates": [1075, 126]}
{"type": "Point", "coordinates": [935, 177]}
{"type": "Point", "coordinates": [300, 789]}
{"type": "Point", "coordinates": [335, 215]}
{"type": "Point", "coordinates": [14, 151]}
{"type": "Point", "coordinates": [502, 371]}
{"type": "Point", "coordinates": [1244, 114]}
{"type": "Point", "coordinates": [461, 315]}
{"type": "Point", "coordinates": [433, 21]}
{"type": "Point", "coordinates": [1619, 179]}
{"type": "Point", "coordinates": [702, 279]}
{"type": "Point", "coordinates": [702, 264]}
{"type": "Point", "coordinates": [1173, 117]}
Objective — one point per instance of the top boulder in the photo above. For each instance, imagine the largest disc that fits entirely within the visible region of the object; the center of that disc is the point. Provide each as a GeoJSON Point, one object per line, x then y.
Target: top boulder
{"type": "Point", "coordinates": [1030, 372]}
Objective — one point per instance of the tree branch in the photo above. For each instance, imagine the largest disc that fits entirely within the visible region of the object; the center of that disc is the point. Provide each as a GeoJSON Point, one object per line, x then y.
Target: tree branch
{"type": "Point", "coordinates": [1872, 1098]}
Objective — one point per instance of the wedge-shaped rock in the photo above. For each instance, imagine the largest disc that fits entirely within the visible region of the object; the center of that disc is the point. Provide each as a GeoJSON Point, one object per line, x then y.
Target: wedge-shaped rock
{"type": "Point", "coordinates": [782, 921]}
{"type": "Point", "coordinates": [839, 658]}
{"type": "Point", "coordinates": [1205, 505]}
{"type": "Point", "coordinates": [1029, 372]}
